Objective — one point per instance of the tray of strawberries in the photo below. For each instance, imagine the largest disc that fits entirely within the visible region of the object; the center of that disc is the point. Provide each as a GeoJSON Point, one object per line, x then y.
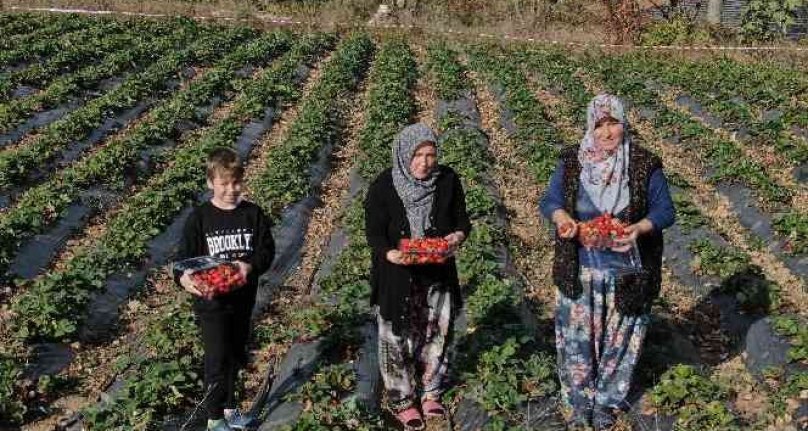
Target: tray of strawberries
{"type": "Point", "coordinates": [424, 251]}
{"type": "Point", "coordinates": [601, 232]}
{"type": "Point", "coordinates": [212, 276]}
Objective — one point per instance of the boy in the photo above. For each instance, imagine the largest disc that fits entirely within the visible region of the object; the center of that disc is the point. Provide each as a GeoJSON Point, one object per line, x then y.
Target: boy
{"type": "Point", "coordinates": [231, 228]}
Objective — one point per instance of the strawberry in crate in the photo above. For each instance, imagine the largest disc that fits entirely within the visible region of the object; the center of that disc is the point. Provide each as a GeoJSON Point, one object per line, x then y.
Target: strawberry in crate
{"type": "Point", "coordinates": [601, 232]}
{"type": "Point", "coordinates": [212, 276]}
{"type": "Point", "coordinates": [424, 251]}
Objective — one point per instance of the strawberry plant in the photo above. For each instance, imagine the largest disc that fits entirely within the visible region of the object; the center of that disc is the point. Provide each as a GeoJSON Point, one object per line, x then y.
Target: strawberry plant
{"type": "Point", "coordinates": [499, 389]}
{"type": "Point", "coordinates": [330, 404]}
{"type": "Point", "coordinates": [11, 408]}
{"type": "Point", "coordinates": [539, 140]}
{"type": "Point", "coordinates": [754, 293]}
{"type": "Point", "coordinates": [688, 215]}
{"type": "Point", "coordinates": [794, 227]}
{"type": "Point", "coordinates": [35, 29]}
{"type": "Point", "coordinates": [797, 331]}
{"type": "Point", "coordinates": [390, 106]}
{"type": "Point", "coordinates": [697, 401]}
{"type": "Point", "coordinates": [782, 400]}
{"type": "Point", "coordinates": [718, 261]}
{"type": "Point", "coordinates": [12, 24]}
{"type": "Point", "coordinates": [48, 46]}
{"type": "Point", "coordinates": [163, 374]}
{"type": "Point", "coordinates": [447, 75]}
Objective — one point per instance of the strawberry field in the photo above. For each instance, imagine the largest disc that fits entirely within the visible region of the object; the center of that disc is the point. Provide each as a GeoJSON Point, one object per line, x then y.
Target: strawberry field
{"type": "Point", "coordinates": [105, 125]}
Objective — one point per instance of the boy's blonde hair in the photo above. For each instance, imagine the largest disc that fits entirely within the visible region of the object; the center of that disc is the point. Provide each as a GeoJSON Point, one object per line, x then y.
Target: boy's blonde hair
{"type": "Point", "coordinates": [226, 163]}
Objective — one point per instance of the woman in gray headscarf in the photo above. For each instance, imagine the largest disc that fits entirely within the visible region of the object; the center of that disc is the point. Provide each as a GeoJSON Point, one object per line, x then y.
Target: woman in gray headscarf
{"type": "Point", "coordinates": [416, 198]}
{"type": "Point", "coordinates": [605, 291]}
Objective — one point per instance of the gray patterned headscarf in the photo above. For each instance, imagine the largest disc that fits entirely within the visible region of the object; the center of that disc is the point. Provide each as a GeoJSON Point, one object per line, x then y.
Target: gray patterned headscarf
{"type": "Point", "coordinates": [417, 195]}
{"type": "Point", "coordinates": [604, 175]}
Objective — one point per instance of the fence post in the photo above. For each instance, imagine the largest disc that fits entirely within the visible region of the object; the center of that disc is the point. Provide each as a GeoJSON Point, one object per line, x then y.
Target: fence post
{"type": "Point", "coordinates": [714, 11]}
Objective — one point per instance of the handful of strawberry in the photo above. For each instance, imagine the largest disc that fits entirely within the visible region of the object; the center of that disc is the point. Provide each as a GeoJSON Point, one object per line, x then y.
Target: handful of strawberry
{"type": "Point", "coordinates": [218, 280]}
{"type": "Point", "coordinates": [601, 232]}
{"type": "Point", "coordinates": [423, 251]}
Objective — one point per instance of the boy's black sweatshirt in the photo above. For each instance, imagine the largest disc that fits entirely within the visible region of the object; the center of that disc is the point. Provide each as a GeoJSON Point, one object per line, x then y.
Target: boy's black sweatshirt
{"type": "Point", "coordinates": [243, 233]}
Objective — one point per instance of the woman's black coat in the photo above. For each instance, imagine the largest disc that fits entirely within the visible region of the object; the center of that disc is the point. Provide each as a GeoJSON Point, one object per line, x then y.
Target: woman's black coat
{"type": "Point", "coordinates": [386, 223]}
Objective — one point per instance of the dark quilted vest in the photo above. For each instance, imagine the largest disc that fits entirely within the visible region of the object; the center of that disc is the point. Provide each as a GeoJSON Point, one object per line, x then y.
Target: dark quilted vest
{"type": "Point", "coordinates": [630, 299]}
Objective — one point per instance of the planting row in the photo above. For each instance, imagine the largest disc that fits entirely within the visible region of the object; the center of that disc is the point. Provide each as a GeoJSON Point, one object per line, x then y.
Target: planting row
{"type": "Point", "coordinates": [725, 158]}
{"type": "Point", "coordinates": [314, 133]}
{"type": "Point", "coordinates": [124, 241]}
{"type": "Point", "coordinates": [47, 45]}
{"type": "Point", "coordinates": [17, 163]}
{"type": "Point", "coordinates": [106, 38]}
{"type": "Point", "coordinates": [341, 307]}
{"type": "Point", "coordinates": [142, 53]}
{"type": "Point", "coordinates": [24, 24]}
{"type": "Point", "coordinates": [755, 88]}
{"type": "Point", "coordinates": [758, 110]}
{"type": "Point", "coordinates": [537, 141]}
{"type": "Point", "coordinates": [49, 26]}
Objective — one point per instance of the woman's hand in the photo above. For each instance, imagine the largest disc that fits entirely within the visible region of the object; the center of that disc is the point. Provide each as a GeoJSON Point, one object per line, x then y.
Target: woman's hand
{"type": "Point", "coordinates": [395, 257]}
{"type": "Point", "coordinates": [565, 225]}
{"type": "Point", "coordinates": [633, 231]}
{"type": "Point", "coordinates": [455, 239]}
{"type": "Point", "coordinates": [189, 285]}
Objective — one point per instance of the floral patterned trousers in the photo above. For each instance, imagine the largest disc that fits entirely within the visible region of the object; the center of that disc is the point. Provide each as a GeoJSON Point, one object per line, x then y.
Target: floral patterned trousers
{"type": "Point", "coordinates": [420, 350]}
{"type": "Point", "coordinates": [597, 346]}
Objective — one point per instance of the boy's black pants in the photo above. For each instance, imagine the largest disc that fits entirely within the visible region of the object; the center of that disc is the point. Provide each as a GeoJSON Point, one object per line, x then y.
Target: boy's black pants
{"type": "Point", "coordinates": [225, 324]}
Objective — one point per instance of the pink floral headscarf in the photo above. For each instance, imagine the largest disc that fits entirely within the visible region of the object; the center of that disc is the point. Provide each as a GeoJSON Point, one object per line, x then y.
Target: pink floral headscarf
{"type": "Point", "coordinates": [604, 175]}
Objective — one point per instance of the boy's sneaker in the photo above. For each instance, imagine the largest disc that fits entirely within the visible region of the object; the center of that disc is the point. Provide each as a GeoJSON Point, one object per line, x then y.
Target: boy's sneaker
{"type": "Point", "coordinates": [218, 425]}
{"type": "Point", "coordinates": [236, 419]}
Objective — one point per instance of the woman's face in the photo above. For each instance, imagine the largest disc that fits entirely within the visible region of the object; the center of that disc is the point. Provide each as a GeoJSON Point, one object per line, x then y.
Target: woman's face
{"type": "Point", "coordinates": [608, 134]}
{"type": "Point", "coordinates": [424, 160]}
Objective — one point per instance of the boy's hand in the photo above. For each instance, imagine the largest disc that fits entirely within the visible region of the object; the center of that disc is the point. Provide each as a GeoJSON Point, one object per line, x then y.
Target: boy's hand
{"type": "Point", "coordinates": [189, 285]}
{"type": "Point", "coordinates": [244, 268]}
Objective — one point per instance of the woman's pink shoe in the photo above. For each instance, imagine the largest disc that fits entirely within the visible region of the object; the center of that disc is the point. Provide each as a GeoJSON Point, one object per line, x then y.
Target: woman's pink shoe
{"type": "Point", "coordinates": [432, 408]}
{"type": "Point", "coordinates": [411, 418]}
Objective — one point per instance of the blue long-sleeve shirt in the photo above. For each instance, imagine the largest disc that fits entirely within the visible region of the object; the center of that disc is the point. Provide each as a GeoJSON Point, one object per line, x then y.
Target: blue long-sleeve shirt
{"type": "Point", "coordinates": [660, 208]}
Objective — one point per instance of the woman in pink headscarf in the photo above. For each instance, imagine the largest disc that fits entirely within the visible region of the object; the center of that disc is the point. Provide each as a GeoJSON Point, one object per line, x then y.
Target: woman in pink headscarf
{"type": "Point", "coordinates": [605, 293]}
